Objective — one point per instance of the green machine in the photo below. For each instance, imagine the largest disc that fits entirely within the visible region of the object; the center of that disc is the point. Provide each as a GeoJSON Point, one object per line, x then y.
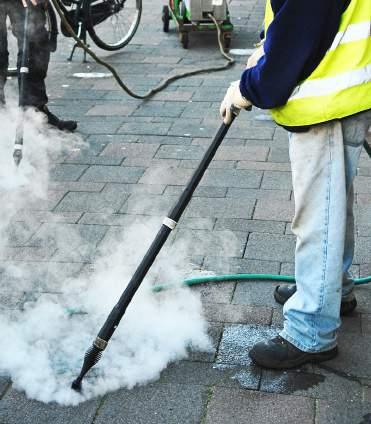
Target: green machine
{"type": "Point", "coordinates": [194, 15]}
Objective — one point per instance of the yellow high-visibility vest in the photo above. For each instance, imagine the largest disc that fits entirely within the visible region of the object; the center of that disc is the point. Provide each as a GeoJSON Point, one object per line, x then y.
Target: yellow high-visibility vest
{"type": "Point", "coordinates": [341, 84]}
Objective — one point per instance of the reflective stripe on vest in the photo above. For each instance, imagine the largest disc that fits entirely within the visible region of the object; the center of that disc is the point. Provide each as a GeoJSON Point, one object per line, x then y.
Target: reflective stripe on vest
{"type": "Point", "coordinates": [341, 84]}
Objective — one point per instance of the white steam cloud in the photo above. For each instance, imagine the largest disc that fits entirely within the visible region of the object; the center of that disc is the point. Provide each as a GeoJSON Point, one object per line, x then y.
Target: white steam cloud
{"type": "Point", "coordinates": [48, 322]}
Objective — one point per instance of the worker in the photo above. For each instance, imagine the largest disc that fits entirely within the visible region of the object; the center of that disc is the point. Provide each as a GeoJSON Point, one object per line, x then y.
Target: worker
{"type": "Point", "coordinates": [39, 54]}
{"type": "Point", "coordinates": [314, 74]}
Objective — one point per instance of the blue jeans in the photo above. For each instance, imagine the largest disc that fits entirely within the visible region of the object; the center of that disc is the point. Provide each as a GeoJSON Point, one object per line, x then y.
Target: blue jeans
{"type": "Point", "coordinates": [324, 163]}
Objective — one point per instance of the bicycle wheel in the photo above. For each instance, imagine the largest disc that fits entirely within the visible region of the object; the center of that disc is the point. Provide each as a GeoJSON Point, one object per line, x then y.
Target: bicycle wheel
{"type": "Point", "coordinates": [112, 23]}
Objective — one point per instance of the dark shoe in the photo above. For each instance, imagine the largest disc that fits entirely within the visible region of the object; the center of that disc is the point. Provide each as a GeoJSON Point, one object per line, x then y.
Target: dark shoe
{"type": "Point", "coordinates": [280, 354]}
{"type": "Point", "coordinates": [283, 293]}
{"type": "Point", "coordinates": [56, 122]}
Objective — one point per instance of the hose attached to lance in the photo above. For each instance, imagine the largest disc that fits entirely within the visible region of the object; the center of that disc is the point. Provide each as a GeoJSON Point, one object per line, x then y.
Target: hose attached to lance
{"type": "Point", "coordinates": [23, 71]}
{"type": "Point", "coordinates": [94, 353]}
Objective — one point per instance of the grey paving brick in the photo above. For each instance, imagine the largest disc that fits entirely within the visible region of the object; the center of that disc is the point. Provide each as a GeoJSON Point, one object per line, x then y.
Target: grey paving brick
{"type": "Point", "coordinates": [259, 293]}
{"type": "Point", "coordinates": [215, 330]}
{"type": "Point", "coordinates": [168, 176]}
{"type": "Point", "coordinates": [270, 247]}
{"type": "Point", "coordinates": [251, 407]}
{"type": "Point", "coordinates": [351, 324]}
{"type": "Point", "coordinates": [193, 129]}
{"type": "Point", "coordinates": [251, 193]}
{"type": "Point", "coordinates": [206, 374]}
{"type": "Point", "coordinates": [18, 232]}
{"type": "Point", "coordinates": [231, 178]}
{"type": "Point", "coordinates": [216, 243]}
{"type": "Point", "coordinates": [88, 159]}
{"type": "Point", "coordinates": [16, 408]}
{"type": "Point", "coordinates": [215, 164]}
{"type": "Point", "coordinates": [112, 109]}
{"type": "Point", "coordinates": [179, 96]}
{"type": "Point", "coordinates": [4, 384]}
{"type": "Point", "coordinates": [162, 109]}
{"type": "Point", "coordinates": [250, 225]}
{"type": "Point", "coordinates": [76, 186]}
{"type": "Point", "coordinates": [155, 404]}
{"type": "Point", "coordinates": [117, 174]}
{"type": "Point", "coordinates": [166, 139]}
{"type": "Point", "coordinates": [219, 208]}
{"type": "Point", "coordinates": [362, 184]}
{"type": "Point", "coordinates": [276, 180]}
{"type": "Point", "coordinates": [253, 153]}
{"type": "Point", "coordinates": [251, 133]}
{"type": "Point", "coordinates": [366, 323]}
{"type": "Point", "coordinates": [150, 163]}
{"type": "Point", "coordinates": [197, 223]}
{"type": "Point", "coordinates": [67, 172]}
{"type": "Point", "coordinates": [46, 216]}
{"type": "Point", "coordinates": [143, 128]}
{"type": "Point", "coordinates": [320, 384]}
{"type": "Point", "coordinates": [180, 152]}
{"type": "Point", "coordinates": [279, 155]}
{"type": "Point", "coordinates": [26, 253]}
{"type": "Point", "coordinates": [340, 412]}
{"type": "Point", "coordinates": [98, 125]}
{"type": "Point", "coordinates": [125, 150]}
{"type": "Point", "coordinates": [362, 250]}
{"type": "Point", "coordinates": [238, 339]}
{"type": "Point", "coordinates": [237, 314]}
{"type": "Point", "coordinates": [353, 358]}
{"type": "Point", "coordinates": [199, 192]}
{"type": "Point", "coordinates": [148, 204]}
{"type": "Point", "coordinates": [239, 266]}
{"type": "Point", "coordinates": [216, 292]}
{"type": "Point", "coordinates": [274, 210]}
{"type": "Point", "coordinates": [263, 166]}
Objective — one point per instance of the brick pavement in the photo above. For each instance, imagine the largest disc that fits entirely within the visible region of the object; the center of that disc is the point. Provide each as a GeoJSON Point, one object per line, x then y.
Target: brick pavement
{"type": "Point", "coordinates": [247, 191]}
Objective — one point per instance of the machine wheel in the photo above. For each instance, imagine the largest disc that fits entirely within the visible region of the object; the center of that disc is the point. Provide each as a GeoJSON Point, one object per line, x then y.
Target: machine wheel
{"type": "Point", "coordinates": [165, 18]}
{"type": "Point", "coordinates": [184, 39]}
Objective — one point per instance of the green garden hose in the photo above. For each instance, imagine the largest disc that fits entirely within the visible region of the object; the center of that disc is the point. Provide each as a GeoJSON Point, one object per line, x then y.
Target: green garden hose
{"type": "Point", "coordinates": [242, 277]}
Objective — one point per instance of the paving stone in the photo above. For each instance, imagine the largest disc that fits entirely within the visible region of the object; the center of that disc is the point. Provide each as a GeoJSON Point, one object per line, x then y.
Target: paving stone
{"type": "Point", "coordinates": [270, 247]}
{"type": "Point", "coordinates": [263, 166]}
{"type": "Point", "coordinates": [155, 404]}
{"type": "Point", "coordinates": [46, 216]}
{"type": "Point", "coordinates": [4, 384]}
{"type": "Point", "coordinates": [362, 184]}
{"type": "Point", "coordinates": [340, 412]}
{"type": "Point", "coordinates": [353, 358]}
{"type": "Point", "coordinates": [274, 210]}
{"type": "Point", "coordinates": [66, 186]}
{"type": "Point", "coordinates": [88, 159]}
{"type": "Point", "coordinates": [254, 292]}
{"type": "Point", "coordinates": [18, 233]}
{"type": "Point", "coordinates": [26, 253]}
{"type": "Point", "coordinates": [199, 192]}
{"type": "Point", "coordinates": [238, 339]}
{"type": "Point", "coordinates": [144, 128]}
{"type": "Point", "coordinates": [231, 178]}
{"type": "Point", "coordinates": [216, 243]}
{"type": "Point", "coordinates": [111, 109]}
{"type": "Point", "coordinates": [279, 155]}
{"type": "Point", "coordinates": [180, 152]}
{"type": "Point", "coordinates": [237, 314]}
{"type": "Point", "coordinates": [167, 176]}
{"type": "Point", "coordinates": [161, 109]}
{"type": "Point", "coordinates": [187, 372]}
{"type": "Point", "coordinates": [106, 202]}
{"type": "Point", "coordinates": [362, 250]}
{"type": "Point", "coordinates": [249, 225]}
{"type": "Point", "coordinates": [351, 324]}
{"type": "Point", "coordinates": [267, 195]}
{"type": "Point", "coordinates": [254, 153]}
{"type": "Point", "coordinates": [319, 384]}
{"type": "Point", "coordinates": [99, 125]}
{"type": "Point", "coordinates": [276, 180]}
{"type": "Point", "coordinates": [366, 323]}
{"type": "Point", "coordinates": [227, 265]}
{"type": "Point", "coordinates": [148, 204]}
{"type": "Point", "coordinates": [219, 208]}
{"type": "Point", "coordinates": [216, 292]}
{"type": "Point", "coordinates": [251, 407]}
{"type": "Point", "coordinates": [215, 164]}
{"type": "Point", "coordinates": [125, 150]}
{"type": "Point", "coordinates": [112, 174]}
{"type": "Point", "coordinates": [215, 330]}
{"type": "Point", "coordinates": [15, 408]}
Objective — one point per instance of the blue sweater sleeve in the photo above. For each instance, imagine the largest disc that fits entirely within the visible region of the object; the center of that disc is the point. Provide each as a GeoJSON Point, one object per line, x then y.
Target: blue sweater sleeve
{"type": "Point", "coordinates": [295, 43]}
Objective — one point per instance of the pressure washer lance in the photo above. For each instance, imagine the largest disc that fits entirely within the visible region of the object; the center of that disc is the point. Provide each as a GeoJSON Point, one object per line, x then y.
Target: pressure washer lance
{"type": "Point", "coordinates": [94, 353]}
{"type": "Point", "coordinates": [18, 144]}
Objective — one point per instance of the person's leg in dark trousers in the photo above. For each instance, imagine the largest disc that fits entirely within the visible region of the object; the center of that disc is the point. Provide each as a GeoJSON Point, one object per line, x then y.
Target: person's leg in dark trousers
{"type": "Point", "coordinates": [4, 54]}
{"type": "Point", "coordinates": [39, 56]}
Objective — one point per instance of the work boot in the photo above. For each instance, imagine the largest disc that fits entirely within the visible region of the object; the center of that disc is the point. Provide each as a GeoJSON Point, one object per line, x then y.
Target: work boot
{"type": "Point", "coordinates": [280, 354]}
{"type": "Point", "coordinates": [283, 293]}
{"type": "Point", "coordinates": [56, 122]}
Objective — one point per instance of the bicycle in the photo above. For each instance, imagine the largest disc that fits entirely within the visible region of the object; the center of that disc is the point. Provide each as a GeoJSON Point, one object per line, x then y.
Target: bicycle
{"type": "Point", "coordinates": [111, 24]}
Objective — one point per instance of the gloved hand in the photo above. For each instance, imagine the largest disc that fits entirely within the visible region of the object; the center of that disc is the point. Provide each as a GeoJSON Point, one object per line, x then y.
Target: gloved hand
{"type": "Point", "coordinates": [233, 98]}
{"type": "Point", "coordinates": [253, 59]}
